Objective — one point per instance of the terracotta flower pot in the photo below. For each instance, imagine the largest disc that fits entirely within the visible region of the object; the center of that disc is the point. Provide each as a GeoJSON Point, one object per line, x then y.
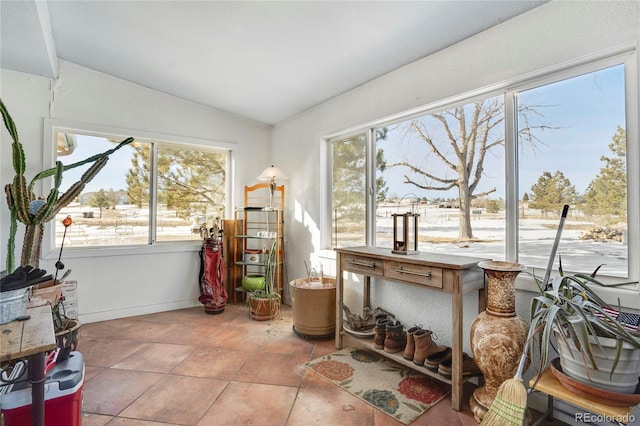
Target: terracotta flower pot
{"type": "Point", "coordinates": [263, 308]}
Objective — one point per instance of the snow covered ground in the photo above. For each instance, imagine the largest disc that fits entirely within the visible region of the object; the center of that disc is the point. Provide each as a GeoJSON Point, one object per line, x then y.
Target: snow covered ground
{"type": "Point", "coordinates": [536, 237]}
{"type": "Point", "coordinates": [129, 225]}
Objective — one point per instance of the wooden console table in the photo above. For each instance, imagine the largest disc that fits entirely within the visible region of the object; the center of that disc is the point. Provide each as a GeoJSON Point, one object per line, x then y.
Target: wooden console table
{"type": "Point", "coordinates": [451, 274]}
{"type": "Point", "coordinates": [30, 338]}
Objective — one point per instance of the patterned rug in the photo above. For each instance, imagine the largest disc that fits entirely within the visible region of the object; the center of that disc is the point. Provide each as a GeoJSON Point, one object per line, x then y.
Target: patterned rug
{"type": "Point", "coordinates": [398, 391]}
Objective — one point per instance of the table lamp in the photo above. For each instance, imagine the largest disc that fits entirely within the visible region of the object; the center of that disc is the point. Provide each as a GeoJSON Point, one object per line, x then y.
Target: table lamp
{"type": "Point", "coordinates": [270, 174]}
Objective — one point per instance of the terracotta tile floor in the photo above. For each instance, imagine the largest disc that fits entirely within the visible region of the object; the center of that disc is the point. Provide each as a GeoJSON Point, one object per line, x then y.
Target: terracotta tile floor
{"type": "Point", "coordinates": [188, 368]}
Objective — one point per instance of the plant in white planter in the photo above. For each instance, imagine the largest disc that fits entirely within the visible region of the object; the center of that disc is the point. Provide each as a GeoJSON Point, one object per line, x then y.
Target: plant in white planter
{"type": "Point", "coordinates": [583, 325]}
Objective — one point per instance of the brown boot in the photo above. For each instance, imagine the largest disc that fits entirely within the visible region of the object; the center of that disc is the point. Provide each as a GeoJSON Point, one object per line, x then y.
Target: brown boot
{"type": "Point", "coordinates": [396, 339]}
{"type": "Point", "coordinates": [381, 332]}
{"type": "Point", "coordinates": [425, 346]}
{"type": "Point", "coordinates": [411, 347]}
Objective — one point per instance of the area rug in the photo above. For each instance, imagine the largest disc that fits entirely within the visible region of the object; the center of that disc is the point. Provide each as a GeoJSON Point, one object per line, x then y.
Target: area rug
{"type": "Point", "coordinates": [396, 390]}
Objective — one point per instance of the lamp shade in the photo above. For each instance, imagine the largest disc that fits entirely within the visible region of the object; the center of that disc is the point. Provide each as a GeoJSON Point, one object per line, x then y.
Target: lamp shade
{"type": "Point", "coordinates": [270, 173]}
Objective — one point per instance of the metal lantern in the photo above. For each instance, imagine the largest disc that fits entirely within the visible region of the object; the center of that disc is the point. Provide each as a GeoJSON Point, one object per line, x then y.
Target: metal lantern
{"type": "Point", "coordinates": [405, 233]}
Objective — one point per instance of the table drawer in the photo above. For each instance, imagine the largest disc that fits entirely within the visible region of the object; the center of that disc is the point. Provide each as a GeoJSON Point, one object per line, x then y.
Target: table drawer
{"type": "Point", "coordinates": [362, 265]}
{"type": "Point", "coordinates": [418, 274]}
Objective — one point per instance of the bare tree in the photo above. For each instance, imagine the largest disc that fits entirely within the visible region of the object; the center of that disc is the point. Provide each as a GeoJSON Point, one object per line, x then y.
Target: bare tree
{"type": "Point", "coordinates": [470, 133]}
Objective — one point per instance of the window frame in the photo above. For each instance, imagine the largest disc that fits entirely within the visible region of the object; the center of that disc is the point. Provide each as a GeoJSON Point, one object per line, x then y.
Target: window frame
{"type": "Point", "coordinates": [626, 56]}
{"type": "Point", "coordinates": [52, 126]}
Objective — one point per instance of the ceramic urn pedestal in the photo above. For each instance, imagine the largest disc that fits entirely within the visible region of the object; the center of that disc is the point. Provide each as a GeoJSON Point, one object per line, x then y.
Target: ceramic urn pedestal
{"type": "Point", "coordinates": [497, 334]}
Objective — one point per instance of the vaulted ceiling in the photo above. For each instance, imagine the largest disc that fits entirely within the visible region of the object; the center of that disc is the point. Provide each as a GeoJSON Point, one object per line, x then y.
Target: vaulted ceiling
{"type": "Point", "coordinates": [258, 59]}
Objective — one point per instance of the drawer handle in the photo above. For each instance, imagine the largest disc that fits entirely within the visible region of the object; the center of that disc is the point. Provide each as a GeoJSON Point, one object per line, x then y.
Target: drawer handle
{"type": "Point", "coordinates": [420, 274]}
{"type": "Point", "coordinates": [354, 262]}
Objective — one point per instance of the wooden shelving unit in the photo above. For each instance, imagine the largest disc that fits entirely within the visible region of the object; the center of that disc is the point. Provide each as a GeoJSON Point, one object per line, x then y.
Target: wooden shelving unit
{"type": "Point", "coordinates": [262, 224]}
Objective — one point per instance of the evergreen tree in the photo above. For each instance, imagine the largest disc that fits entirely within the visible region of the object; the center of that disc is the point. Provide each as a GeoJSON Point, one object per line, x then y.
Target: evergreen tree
{"type": "Point", "coordinates": [138, 175]}
{"type": "Point", "coordinates": [607, 193]}
{"type": "Point", "coordinates": [189, 182]}
{"type": "Point", "coordinates": [552, 192]}
{"type": "Point", "coordinates": [349, 161]}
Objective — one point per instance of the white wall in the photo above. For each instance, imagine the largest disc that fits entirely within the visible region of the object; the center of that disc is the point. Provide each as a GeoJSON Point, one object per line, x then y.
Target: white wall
{"type": "Point", "coordinates": [132, 283]}
{"type": "Point", "coordinates": [545, 37]}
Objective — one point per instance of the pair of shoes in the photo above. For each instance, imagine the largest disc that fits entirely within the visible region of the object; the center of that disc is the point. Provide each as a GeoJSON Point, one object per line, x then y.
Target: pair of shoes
{"type": "Point", "coordinates": [469, 367]}
{"type": "Point", "coordinates": [395, 338]}
{"type": "Point", "coordinates": [380, 330]}
{"type": "Point", "coordinates": [433, 361]}
{"type": "Point", "coordinates": [425, 346]}
{"type": "Point", "coordinates": [410, 348]}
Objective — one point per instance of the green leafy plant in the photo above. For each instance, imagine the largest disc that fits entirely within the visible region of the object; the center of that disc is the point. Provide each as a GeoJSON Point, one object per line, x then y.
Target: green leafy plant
{"type": "Point", "coordinates": [269, 291]}
{"type": "Point", "coordinates": [35, 212]}
{"type": "Point", "coordinates": [569, 308]}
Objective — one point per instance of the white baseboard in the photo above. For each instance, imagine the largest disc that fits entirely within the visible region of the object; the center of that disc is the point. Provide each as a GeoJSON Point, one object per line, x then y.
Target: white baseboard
{"type": "Point", "coordinates": [137, 310]}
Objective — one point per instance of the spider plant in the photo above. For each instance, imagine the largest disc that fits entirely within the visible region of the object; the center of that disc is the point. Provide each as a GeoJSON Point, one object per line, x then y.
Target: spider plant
{"type": "Point", "coordinates": [269, 291]}
{"type": "Point", "coordinates": [570, 309]}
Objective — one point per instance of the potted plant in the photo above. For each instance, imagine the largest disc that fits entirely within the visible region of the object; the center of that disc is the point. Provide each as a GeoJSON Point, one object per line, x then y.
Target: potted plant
{"type": "Point", "coordinates": [34, 211]}
{"type": "Point", "coordinates": [264, 303]}
{"type": "Point", "coordinates": [66, 330]}
{"type": "Point", "coordinates": [595, 346]}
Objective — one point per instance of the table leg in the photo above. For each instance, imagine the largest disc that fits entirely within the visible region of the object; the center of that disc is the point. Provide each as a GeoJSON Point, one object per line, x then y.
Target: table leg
{"type": "Point", "coordinates": [547, 415]}
{"type": "Point", "coordinates": [456, 344]}
{"type": "Point", "coordinates": [366, 294]}
{"type": "Point", "coordinates": [339, 301]}
{"type": "Point", "coordinates": [37, 379]}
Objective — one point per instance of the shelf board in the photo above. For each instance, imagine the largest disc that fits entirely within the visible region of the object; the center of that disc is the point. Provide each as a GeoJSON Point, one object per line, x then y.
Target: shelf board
{"type": "Point", "coordinates": [256, 237]}
{"type": "Point", "coordinates": [241, 263]}
{"type": "Point", "coordinates": [397, 357]}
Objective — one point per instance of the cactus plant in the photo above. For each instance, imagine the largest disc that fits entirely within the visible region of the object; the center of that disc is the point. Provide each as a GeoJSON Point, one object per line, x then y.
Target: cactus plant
{"type": "Point", "coordinates": [35, 212]}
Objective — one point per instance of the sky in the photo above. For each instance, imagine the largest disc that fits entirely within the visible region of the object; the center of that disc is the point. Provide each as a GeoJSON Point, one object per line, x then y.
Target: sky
{"type": "Point", "coordinates": [112, 176]}
{"type": "Point", "coordinates": [586, 111]}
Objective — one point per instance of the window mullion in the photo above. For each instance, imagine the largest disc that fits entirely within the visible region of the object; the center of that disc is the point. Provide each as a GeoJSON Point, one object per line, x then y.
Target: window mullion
{"type": "Point", "coordinates": [632, 104]}
{"type": "Point", "coordinates": [511, 174]}
{"type": "Point", "coordinates": [153, 193]}
{"type": "Point", "coordinates": [370, 182]}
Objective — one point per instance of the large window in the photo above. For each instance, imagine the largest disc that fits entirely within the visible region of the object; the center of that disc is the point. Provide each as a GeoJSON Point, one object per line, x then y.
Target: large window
{"type": "Point", "coordinates": [447, 166]}
{"type": "Point", "coordinates": [348, 207]}
{"type": "Point", "coordinates": [578, 160]}
{"type": "Point", "coordinates": [489, 176]}
{"type": "Point", "coordinates": [150, 191]}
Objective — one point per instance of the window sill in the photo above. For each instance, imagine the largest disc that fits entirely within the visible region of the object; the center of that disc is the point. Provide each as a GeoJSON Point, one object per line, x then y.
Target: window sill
{"type": "Point", "coordinates": [628, 298]}
{"type": "Point", "coordinates": [85, 252]}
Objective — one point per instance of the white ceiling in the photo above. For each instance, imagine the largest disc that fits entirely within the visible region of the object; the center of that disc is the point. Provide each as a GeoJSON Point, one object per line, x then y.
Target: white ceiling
{"type": "Point", "coordinates": [262, 60]}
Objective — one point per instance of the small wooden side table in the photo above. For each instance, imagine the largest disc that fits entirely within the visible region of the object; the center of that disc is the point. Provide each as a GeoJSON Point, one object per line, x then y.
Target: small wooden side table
{"type": "Point", "coordinates": [30, 338]}
{"type": "Point", "coordinates": [549, 385]}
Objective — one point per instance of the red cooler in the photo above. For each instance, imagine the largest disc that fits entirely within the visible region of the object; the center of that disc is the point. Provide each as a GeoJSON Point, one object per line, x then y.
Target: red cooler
{"type": "Point", "coordinates": [62, 393]}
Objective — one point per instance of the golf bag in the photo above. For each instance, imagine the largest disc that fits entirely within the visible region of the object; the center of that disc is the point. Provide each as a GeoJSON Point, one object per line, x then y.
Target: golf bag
{"type": "Point", "coordinates": [213, 295]}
